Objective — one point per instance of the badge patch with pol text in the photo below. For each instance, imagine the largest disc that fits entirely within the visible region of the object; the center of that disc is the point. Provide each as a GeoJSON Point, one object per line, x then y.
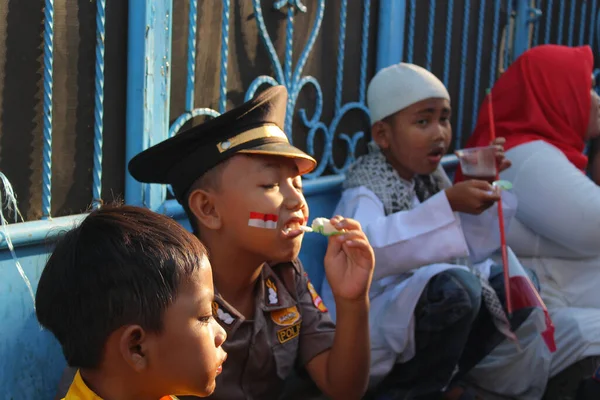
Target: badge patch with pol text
{"type": "Point", "coordinates": [287, 334]}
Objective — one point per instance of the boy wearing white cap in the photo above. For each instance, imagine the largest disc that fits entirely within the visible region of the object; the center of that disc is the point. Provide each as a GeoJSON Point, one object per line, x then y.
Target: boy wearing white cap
{"type": "Point", "coordinates": [432, 320]}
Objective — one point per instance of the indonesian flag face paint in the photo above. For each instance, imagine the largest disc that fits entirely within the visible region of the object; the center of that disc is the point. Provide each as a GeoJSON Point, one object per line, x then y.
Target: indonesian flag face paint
{"type": "Point", "coordinates": [259, 220]}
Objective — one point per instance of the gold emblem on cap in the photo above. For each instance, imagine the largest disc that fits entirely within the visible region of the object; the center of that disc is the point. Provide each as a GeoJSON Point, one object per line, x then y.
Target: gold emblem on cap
{"type": "Point", "coordinates": [264, 131]}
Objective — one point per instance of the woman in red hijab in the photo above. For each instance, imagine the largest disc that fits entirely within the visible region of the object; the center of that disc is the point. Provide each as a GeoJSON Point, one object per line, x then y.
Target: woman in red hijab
{"type": "Point", "coordinates": [545, 95]}
{"type": "Point", "coordinates": [545, 108]}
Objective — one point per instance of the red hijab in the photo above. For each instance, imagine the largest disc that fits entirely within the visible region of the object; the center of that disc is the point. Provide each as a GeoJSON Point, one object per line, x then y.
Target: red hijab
{"type": "Point", "coordinates": [543, 95]}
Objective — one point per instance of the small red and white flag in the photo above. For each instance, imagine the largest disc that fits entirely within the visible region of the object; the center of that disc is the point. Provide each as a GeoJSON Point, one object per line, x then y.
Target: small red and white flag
{"type": "Point", "coordinates": [524, 295]}
{"type": "Point", "coordinates": [519, 290]}
{"type": "Point", "coordinates": [259, 220]}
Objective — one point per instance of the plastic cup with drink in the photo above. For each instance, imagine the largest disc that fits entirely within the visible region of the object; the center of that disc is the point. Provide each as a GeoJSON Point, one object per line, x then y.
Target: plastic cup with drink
{"type": "Point", "coordinates": [478, 163]}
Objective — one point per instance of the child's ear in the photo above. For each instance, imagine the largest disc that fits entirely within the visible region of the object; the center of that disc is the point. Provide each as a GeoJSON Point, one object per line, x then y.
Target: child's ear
{"type": "Point", "coordinates": [380, 132]}
{"type": "Point", "coordinates": [133, 345]}
{"type": "Point", "coordinates": [202, 205]}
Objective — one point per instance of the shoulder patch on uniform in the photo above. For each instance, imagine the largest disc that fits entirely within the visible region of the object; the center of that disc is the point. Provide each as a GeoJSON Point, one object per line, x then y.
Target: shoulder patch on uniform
{"type": "Point", "coordinates": [223, 316]}
{"type": "Point", "coordinates": [287, 334]}
{"type": "Point", "coordinates": [317, 301]}
{"type": "Point", "coordinates": [286, 317]}
{"type": "Point", "coordinates": [272, 291]}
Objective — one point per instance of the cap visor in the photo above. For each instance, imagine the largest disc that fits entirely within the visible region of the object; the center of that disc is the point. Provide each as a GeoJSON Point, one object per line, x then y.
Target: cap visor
{"type": "Point", "coordinates": [304, 162]}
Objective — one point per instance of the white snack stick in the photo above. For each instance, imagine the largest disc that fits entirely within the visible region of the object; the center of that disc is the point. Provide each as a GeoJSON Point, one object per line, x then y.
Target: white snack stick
{"type": "Point", "coordinates": [324, 227]}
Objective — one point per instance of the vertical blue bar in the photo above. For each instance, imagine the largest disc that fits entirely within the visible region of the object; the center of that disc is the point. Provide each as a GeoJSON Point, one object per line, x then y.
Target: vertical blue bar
{"type": "Point", "coordinates": [136, 135]}
{"type": "Point", "coordinates": [430, 31]}
{"type": "Point", "coordinates": [191, 59]}
{"type": "Point", "coordinates": [224, 54]}
{"type": "Point", "coordinates": [478, 64]}
{"type": "Point", "coordinates": [289, 44]}
{"type": "Point", "coordinates": [536, 32]}
{"type": "Point", "coordinates": [447, 55]}
{"type": "Point", "coordinates": [548, 22]}
{"type": "Point", "coordinates": [411, 30]}
{"type": "Point", "coordinates": [48, 97]}
{"type": "Point", "coordinates": [582, 23]}
{"type": "Point", "coordinates": [561, 22]}
{"type": "Point", "coordinates": [288, 70]}
{"type": "Point", "coordinates": [522, 23]}
{"type": "Point", "coordinates": [148, 89]}
{"type": "Point", "coordinates": [99, 102]}
{"type": "Point", "coordinates": [463, 73]}
{"type": "Point", "coordinates": [339, 81]}
{"type": "Point", "coordinates": [494, 60]}
{"type": "Point", "coordinates": [572, 22]}
{"type": "Point", "coordinates": [592, 23]}
{"type": "Point", "coordinates": [506, 57]}
{"type": "Point", "coordinates": [364, 50]}
{"type": "Point", "coordinates": [390, 35]}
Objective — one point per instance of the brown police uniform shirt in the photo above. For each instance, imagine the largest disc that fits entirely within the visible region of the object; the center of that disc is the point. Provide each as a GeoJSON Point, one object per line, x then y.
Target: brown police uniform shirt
{"type": "Point", "coordinates": [291, 326]}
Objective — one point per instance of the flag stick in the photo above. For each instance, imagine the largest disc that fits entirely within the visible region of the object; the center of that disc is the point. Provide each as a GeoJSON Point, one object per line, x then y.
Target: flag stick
{"type": "Point", "coordinates": [500, 215]}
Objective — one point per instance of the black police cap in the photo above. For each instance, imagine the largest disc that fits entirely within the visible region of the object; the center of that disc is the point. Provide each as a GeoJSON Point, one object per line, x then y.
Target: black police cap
{"type": "Point", "coordinates": [255, 127]}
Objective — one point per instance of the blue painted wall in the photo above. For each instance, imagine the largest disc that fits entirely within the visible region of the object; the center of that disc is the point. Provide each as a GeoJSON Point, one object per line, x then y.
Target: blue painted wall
{"type": "Point", "coordinates": [31, 360]}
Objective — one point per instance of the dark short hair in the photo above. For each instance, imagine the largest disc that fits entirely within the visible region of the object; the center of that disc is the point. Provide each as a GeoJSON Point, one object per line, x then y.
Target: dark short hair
{"type": "Point", "coordinates": [123, 265]}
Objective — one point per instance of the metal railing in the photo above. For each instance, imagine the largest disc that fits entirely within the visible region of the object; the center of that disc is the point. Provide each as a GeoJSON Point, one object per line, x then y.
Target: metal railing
{"type": "Point", "coordinates": [467, 43]}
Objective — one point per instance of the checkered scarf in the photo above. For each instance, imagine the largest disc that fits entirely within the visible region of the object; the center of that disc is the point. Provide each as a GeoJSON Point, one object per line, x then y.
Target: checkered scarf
{"type": "Point", "coordinates": [376, 174]}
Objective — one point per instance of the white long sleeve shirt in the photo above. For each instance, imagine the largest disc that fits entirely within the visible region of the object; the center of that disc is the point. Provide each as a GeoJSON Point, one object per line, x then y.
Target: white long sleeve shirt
{"type": "Point", "coordinates": [411, 247]}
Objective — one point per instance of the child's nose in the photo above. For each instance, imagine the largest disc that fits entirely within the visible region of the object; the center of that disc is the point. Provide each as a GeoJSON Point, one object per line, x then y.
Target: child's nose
{"type": "Point", "coordinates": [220, 335]}
{"type": "Point", "coordinates": [440, 132]}
{"type": "Point", "coordinates": [294, 199]}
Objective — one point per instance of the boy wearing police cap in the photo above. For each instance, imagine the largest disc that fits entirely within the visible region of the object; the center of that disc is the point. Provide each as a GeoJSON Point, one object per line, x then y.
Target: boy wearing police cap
{"type": "Point", "coordinates": [239, 180]}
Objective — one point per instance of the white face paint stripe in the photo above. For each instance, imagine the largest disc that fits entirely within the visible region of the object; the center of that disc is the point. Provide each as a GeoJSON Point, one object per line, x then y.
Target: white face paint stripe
{"type": "Point", "coordinates": [270, 224]}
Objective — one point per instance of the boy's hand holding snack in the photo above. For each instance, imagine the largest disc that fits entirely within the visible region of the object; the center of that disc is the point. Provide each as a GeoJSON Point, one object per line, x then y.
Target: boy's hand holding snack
{"type": "Point", "coordinates": [349, 261]}
{"type": "Point", "coordinates": [343, 371]}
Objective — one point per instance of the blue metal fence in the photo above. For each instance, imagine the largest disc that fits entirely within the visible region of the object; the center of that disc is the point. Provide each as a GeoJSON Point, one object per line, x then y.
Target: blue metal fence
{"type": "Point", "coordinates": [99, 100]}
{"type": "Point", "coordinates": [48, 104]}
{"type": "Point", "coordinates": [466, 43]}
{"type": "Point", "coordinates": [285, 72]}
{"type": "Point", "coordinates": [150, 41]}
{"type": "Point", "coordinates": [553, 22]}
{"type": "Point", "coordinates": [48, 90]}
{"type": "Point", "coordinates": [488, 35]}
{"type": "Point", "coordinates": [552, 16]}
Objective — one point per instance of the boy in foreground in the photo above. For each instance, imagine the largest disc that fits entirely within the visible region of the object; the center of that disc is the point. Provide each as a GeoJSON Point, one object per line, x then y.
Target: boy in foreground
{"type": "Point", "coordinates": [128, 294]}
{"type": "Point", "coordinates": [239, 180]}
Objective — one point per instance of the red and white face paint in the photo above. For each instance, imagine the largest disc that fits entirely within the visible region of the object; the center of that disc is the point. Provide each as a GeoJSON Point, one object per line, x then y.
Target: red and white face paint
{"type": "Point", "coordinates": [259, 220]}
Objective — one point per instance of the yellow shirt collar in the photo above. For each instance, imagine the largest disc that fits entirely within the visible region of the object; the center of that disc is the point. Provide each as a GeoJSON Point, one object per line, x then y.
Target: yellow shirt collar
{"type": "Point", "coordinates": [79, 391]}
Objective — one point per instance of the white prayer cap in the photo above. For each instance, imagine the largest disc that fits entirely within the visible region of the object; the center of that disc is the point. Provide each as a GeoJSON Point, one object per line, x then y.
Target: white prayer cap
{"type": "Point", "coordinates": [399, 86]}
